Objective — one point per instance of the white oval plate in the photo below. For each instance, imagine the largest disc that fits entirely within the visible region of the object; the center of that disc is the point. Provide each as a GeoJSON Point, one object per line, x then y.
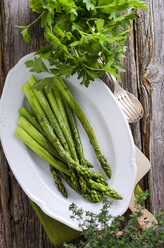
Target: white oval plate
{"type": "Point", "coordinates": [111, 129]}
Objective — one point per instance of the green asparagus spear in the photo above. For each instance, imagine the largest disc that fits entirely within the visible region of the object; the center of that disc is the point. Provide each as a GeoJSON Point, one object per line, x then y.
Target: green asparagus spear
{"type": "Point", "coordinates": [75, 132]}
{"type": "Point", "coordinates": [34, 133]}
{"type": "Point", "coordinates": [52, 137]}
{"type": "Point", "coordinates": [96, 196]}
{"type": "Point", "coordinates": [43, 120]}
{"type": "Point", "coordinates": [102, 181]}
{"type": "Point", "coordinates": [113, 194]}
{"type": "Point", "coordinates": [68, 136]}
{"type": "Point", "coordinates": [75, 107]}
{"type": "Point", "coordinates": [46, 108]}
{"type": "Point", "coordinates": [65, 120]}
{"type": "Point", "coordinates": [87, 196]}
{"type": "Point", "coordinates": [88, 164]}
{"type": "Point", "coordinates": [58, 181]}
{"type": "Point", "coordinates": [104, 189]}
{"type": "Point", "coordinates": [34, 111]}
{"type": "Point", "coordinates": [82, 183]}
{"type": "Point", "coordinates": [61, 108]}
{"type": "Point", "coordinates": [37, 136]}
{"type": "Point", "coordinates": [30, 118]}
{"type": "Point", "coordinates": [90, 194]}
{"type": "Point", "coordinates": [38, 149]}
{"type": "Point", "coordinates": [79, 146]}
{"type": "Point", "coordinates": [66, 132]}
{"type": "Point", "coordinates": [73, 176]}
{"type": "Point", "coordinates": [24, 112]}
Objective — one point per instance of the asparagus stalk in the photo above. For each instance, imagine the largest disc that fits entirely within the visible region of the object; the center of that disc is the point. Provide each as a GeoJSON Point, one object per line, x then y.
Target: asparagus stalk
{"type": "Point", "coordinates": [38, 131]}
{"type": "Point", "coordinates": [87, 196]}
{"type": "Point", "coordinates": [52, 137]}
{"type": "Point", "coordinates": [73, 176]}
{"type": "Point", "coordinates": [64, 116]}
{"type": "Point", "coordinates": [38, 149]}
{"type": "Point", "coordinates": [96, 196]}
{"type": "Point", "coordinates": [82, 183]}
{"type": "Point", "coordinates": [41, 139]}
{"type": "Point", "coordinates": [58, 181]}
{"type": "Point", "coordinates": [34, 111]}
{"type": "Point", "coordinates": [102, 181]}
{"type": "Point", "coordinates": [65, 130]}
{"type": "Point", "coordinates": [54, 106]}
{"type": "Point", "coordinates": [75, 107]}
{"type": "Point", "coordinates": [78, 144]}
{"type": "Point", "coordinates": [43, 120]}
{"type": "Point", "coordinates": [24, 112]}
{"type": "Point", "coordinates": [104, 189]}
{"type": "Point", "coordinates": [37, 136]}
{"type": "Point", "coordinates": [61, 108]}
{"type": "Point", "coordinates": [46, 108]}
{"type": "Point", "coordinates": [90, 194]}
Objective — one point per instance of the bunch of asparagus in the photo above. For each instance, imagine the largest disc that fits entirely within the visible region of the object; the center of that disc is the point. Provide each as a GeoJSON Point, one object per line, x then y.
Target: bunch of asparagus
{"type": "Point", "coordinates": [51, 132]}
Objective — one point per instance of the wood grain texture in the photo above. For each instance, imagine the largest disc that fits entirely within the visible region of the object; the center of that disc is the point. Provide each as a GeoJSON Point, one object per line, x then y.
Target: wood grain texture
{"type": "Point", "coordinates": [144, 63]}
{"type": "Point", "coordinates": [150, 72]}
{"type": "Point", "coordinates": [19, 226]}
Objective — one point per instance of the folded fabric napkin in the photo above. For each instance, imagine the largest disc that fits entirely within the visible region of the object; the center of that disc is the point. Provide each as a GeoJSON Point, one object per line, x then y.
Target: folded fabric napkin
{"type": "Point", "coordinates": [57, 232]}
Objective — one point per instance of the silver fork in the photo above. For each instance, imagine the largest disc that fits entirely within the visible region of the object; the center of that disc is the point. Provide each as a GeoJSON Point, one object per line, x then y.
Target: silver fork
{"type": "Point", "coordinates": [129, 103]}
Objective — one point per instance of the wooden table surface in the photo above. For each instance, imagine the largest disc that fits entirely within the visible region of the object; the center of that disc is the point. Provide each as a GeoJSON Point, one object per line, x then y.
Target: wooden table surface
{"type": "Point", "coordinates": [144, 63]}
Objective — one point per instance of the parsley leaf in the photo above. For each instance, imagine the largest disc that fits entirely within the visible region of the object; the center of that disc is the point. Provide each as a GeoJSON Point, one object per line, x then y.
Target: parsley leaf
{"type": "Point", "coordinates": [37, 6]}
{"type": "Point", "coordinates": [39, 85]}
{"type": "Point", "coordinates": [45, 52]}
{"type": "Point", "coordinates": [89, 4]}
{"type": "Point", "coordinates": [26, 35]}
{"type": "Point", "coordinates": [36, 65]}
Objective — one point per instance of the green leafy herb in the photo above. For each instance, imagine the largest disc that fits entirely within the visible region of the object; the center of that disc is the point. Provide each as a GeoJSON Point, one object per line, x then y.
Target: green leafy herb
{"type": "Point", "coordinates": [86, 37]}
{"type": "Point", "coordinates": [26, 35]}
{"type": "Point", "coordinates": [37, 65]}
{"type": "Point", "coordinates": [113, 236]}
{"type": "Point", "coordinates": [42, 83]}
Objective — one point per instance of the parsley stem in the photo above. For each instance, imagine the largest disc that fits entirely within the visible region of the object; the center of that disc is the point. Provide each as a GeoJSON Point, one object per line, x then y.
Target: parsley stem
{"type": "Point", "coordinates": [36, 19]}
{"type": "Point", "coordinates": [31, 23]}
{"type": "Point", "coordinates": [93, 69]}
{"type": "Point", "coordinates": [105, 6]}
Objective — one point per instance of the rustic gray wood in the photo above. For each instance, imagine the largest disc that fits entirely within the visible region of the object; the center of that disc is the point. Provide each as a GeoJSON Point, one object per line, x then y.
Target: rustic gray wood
{"type": "Point", "coordinates": [144, 77]}
{"type": "Point", "coordinates": [150, 73]}
{"type": "Point", "coordinates": [19, 226]}
{"type": "Point", "coordinates": [144, 63]}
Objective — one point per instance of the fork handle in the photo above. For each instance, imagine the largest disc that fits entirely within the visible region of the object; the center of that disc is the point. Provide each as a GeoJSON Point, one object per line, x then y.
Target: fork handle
{"type": "Point", "coordinates": [117, 87]}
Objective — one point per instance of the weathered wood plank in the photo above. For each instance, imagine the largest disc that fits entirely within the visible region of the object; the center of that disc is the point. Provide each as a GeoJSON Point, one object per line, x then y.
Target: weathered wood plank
{"type": "Point", "coordinates": [130, 83]}
{"type": "Point", "coordinates": [5, 233]}
{"type": "Point", "coordinates": [150, 71]}
{"type": "Point", "coordinates": [19, 226]}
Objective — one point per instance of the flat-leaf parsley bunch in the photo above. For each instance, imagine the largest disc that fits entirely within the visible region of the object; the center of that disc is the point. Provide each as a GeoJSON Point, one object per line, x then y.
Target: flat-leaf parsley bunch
{"type": "Point", "coordinates": [86, 37]}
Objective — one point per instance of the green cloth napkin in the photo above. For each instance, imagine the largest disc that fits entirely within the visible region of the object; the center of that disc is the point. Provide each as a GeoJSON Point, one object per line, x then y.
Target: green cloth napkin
{"type": "Point", "coordinates": [57, 232]}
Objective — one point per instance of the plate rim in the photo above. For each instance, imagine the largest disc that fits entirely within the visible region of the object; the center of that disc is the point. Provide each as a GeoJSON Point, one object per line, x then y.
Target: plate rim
{"type": "Point", "coordinates": [40, 202]}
